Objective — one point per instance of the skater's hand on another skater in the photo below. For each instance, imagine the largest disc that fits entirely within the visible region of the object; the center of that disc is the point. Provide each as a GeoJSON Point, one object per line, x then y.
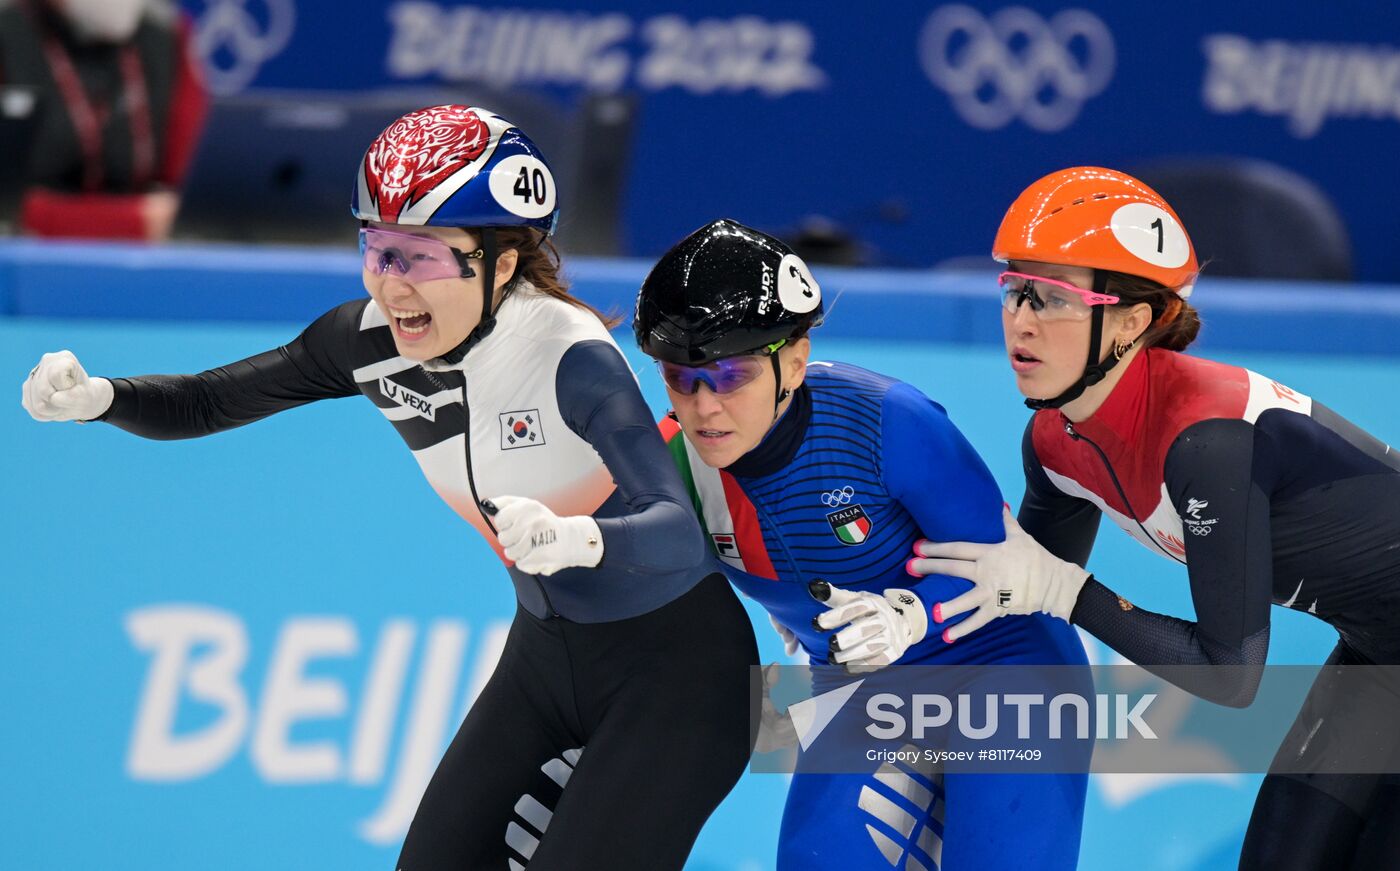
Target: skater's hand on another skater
{"type": "Point", "coordinates": [1015, 576]}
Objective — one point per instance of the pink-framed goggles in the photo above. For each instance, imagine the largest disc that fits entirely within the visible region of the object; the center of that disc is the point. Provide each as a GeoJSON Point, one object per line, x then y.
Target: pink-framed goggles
{"type": "Point", "coordinates": [1050, 299]}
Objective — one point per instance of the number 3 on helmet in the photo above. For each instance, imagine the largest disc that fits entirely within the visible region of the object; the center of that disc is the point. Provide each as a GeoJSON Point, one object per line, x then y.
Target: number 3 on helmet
{"type": "Point", "coordinates": [1101, 219]}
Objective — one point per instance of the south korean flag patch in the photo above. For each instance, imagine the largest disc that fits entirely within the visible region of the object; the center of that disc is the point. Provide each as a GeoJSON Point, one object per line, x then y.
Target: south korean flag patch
{"type": "Point", "coordinates": [521, 429]}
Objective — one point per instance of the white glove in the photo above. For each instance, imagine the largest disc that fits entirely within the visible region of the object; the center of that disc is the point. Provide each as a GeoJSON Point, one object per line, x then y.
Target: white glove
{"type": "Point", "coordinates": [1015, 576]}
{"type": "Point", "coordinates": [59, 389]}
{"type": "Point", "coordinates": [775, 730]}
{"type": "Point", "coordinates": [882, 626]}
{"type": "Point", "coordinates": [790, 643]}
{"type": "Point", "coordinates": [541, 542]}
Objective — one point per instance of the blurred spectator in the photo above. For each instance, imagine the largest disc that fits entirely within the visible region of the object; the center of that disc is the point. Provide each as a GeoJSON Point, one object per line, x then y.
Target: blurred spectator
{"type": "Point", "coordinates": [1250, 218]}
{"type": "Point", "coordinates": [819, 239]}
{"type": "Point", "coordinates": [121, 105]}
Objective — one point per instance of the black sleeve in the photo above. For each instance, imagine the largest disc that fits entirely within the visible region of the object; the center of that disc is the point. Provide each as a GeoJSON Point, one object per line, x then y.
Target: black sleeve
{"type": "Point", "coordinates": [1211, 481]}
{"type": "Point", "coordinates": [600, 401]}
{"type": "Point", "coordinates": [1063, 524]}
{"type": "Point", "coordinates": [315, 365]}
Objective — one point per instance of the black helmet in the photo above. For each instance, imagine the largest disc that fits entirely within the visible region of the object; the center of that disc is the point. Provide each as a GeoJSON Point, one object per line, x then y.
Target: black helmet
{"type": "Point", "coordinates": [724, 290]}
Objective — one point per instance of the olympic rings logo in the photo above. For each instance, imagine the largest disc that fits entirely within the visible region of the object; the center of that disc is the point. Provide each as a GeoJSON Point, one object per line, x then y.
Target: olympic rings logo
{"type": "Point", "coordinates": [1199, 530]}
{"type": "Point", "coordinates": [234, 42]}
{"type": "Point", "coordinates": [1016, 64]}
{"type": "Point", "coordinates": [838, 497]}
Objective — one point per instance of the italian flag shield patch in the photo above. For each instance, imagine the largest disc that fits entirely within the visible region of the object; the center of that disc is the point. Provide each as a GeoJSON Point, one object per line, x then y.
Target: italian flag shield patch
{"type": "Point", "coordinates": [851, 525]}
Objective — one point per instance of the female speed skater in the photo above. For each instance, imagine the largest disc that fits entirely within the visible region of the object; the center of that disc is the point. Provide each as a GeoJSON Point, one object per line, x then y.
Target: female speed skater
{"type": "Point", "coordinates": [1265, 495]}
{"type": "Point", "coordinates": [813, 480]}
{"type": "Point", "coordinates": [525, 418]}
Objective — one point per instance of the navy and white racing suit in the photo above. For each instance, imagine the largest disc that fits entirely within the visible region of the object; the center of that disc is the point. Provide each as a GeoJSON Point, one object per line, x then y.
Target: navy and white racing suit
{"type": "Point", "coordinates": [644, 658]}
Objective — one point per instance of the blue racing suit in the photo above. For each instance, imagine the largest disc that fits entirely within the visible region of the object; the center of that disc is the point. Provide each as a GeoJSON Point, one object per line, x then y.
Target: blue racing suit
{"type": "Point", "coordinates": [860, 467]}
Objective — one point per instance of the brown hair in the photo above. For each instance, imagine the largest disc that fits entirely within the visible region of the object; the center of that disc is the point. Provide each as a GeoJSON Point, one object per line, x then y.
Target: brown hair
{"type": "Point", "coordinates": [538, 263]}
{"type": "Point", "coordinates": [1175, 322]}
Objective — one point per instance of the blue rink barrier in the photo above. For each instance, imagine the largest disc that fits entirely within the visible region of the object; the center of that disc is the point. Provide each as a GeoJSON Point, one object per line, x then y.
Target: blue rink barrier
{"type": "Point", "coordinates": [219, 283]}
{"type": "Point", "coordinates": [249, 650]}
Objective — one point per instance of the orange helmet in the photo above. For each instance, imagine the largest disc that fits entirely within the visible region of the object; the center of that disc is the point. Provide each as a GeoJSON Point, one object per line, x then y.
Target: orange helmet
{"type": "Point", "coordinates": [1101, 219]}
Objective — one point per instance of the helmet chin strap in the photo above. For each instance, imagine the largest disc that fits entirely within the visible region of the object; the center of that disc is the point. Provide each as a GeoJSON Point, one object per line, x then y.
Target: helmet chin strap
{"type": "Point", "coordinates": [779, 391]}
{"type": "Point", "coordinates": [488, 285]}
{"type": "Point", "coordinates": [1094, 369]}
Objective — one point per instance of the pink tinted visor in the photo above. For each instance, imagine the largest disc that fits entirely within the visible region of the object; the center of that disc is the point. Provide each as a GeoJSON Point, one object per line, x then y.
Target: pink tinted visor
{"type": "Point", "coordinates": [416, 258]}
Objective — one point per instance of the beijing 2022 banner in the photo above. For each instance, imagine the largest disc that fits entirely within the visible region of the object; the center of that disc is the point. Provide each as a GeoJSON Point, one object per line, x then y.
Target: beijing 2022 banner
{"type": "Point", "coordinates": [910, 124]}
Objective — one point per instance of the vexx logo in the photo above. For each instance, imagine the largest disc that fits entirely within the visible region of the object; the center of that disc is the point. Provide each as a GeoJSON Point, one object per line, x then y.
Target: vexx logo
{"type": "Point", "coordinates": [415, 402]}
